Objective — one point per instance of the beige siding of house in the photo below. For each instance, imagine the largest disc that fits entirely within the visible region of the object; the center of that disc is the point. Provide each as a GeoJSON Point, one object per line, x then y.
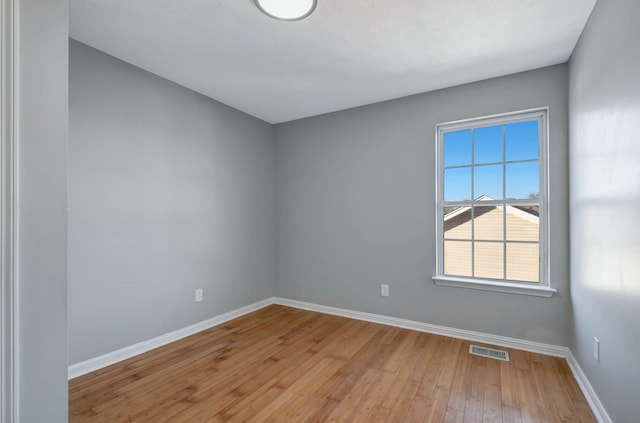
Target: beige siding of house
{"type": "Point", "coordinates": [522, 259]}
{"type": "Point", "coordinates": [457, 258]}
{"type": "Point", "coordinates": [523, 262]}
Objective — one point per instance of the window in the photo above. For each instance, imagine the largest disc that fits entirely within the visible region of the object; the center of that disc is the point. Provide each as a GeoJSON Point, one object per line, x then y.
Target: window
{"type": "Point", "coordinates": [491, 207]}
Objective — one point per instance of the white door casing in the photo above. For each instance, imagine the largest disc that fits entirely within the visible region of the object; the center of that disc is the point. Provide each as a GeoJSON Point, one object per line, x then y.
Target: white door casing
{"type": "Point", "coordinates": [8, 204]}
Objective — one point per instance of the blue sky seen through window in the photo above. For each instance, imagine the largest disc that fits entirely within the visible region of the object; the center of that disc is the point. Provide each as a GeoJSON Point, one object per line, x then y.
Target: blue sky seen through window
{"type": "Point", "coordinates": [487, 145]}
{"type": "Point", "coordinates": [520, 143]}
{"type": "Point", "coordinates": [457, 148]}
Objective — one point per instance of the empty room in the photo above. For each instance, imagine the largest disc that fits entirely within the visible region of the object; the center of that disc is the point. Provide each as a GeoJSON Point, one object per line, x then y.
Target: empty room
{"type": "Point", "coordinates": [319, 210]}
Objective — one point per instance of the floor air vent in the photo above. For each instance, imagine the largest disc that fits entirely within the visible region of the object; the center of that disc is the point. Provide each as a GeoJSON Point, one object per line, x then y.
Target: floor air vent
{"type": "Point", "coordinates": [489, 352]}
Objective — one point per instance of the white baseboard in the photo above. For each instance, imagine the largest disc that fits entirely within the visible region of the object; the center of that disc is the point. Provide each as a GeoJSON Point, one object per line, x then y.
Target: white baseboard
{"type": "Point", "coordinates": [598, 409]}
{"type": "Point", "coordinates": [502, 341]}
{"type": "Point", "coordinates": [93, 364]}
{"type": "Point", "coordinates": [592, 398]}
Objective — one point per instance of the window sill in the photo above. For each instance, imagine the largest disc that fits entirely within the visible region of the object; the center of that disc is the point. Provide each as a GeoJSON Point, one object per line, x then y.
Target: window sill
{"type": "Point", "coordinates": [511, 288]}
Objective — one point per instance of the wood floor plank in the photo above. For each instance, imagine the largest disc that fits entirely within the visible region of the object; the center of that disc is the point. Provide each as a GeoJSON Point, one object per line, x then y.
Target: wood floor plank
{"type": "Point", "coordinates": [404, 406]}
{"type": "Point", "coordinates": [561, 397]}
{"type": "Point", "coordinates": [511, 414]}
{"type": "Point", "coordinates": [349, 406]}
{"type": "Point", "coordinates": [405, 366]}
{"type": "Point", "coordinates": [453, 416]}
{"type": "Point", "coordinates": [492, 407]}
{"type": "Point", "coordinates": [461, 383]}
{"type": "Point", "coordinates": [508, 385]}
{"type": "Point", "coordinates": [368, 407]}
{"type": "Point", "coordinates": [448, 368]}
{"type": "Point", "coordinates": [529, 408]}
{"type": "Point", "coordinates": [578, 400]}
{"type": "Point", "coordinates": [434, 366]}
{"type": "Point", "coordinates": [281, 364]}
{"type": "Point", "coordinates": [474, 408]}
{"type": "Point", "coordinates": [549, 412]}
{"type": "Point", "coordinates": [438, 408]}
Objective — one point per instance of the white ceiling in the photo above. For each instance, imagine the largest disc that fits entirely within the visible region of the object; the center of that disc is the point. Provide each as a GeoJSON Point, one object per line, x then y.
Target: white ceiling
{"type": "Point", "coordinates": [348, 53]}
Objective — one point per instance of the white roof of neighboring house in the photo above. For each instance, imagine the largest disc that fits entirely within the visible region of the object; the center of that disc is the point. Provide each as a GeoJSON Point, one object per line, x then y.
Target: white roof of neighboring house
{"type": "Point", "coordinates": [510, 209]}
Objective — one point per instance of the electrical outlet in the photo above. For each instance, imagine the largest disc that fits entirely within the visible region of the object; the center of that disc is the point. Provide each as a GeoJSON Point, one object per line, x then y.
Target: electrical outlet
{"type": "Point", "coordinates": [384, 290]}
{"type": "Point", "coordinates": [199, 295]}
{"type": "Point", "coordinates": [596, 349]}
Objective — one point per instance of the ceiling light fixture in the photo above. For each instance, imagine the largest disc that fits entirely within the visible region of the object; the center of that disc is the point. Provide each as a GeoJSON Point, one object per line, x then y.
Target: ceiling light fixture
{"type": "Point", "coordinates": [286, 10]}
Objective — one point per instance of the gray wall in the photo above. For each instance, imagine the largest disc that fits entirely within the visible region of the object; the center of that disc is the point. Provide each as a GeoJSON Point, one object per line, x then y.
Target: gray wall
{"type": "Point", "coordinates": [605, 203]}
{"type": "Point", "coordinates": [355, 207]}
{"type": "Point", "coordinates": [42, 213]}
{"type": "Point", "coordinates": [169, 191]}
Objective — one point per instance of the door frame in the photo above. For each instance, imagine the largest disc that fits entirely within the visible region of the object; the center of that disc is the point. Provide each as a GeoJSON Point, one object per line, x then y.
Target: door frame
{"type": "Point", "coordinates": [8, 211]}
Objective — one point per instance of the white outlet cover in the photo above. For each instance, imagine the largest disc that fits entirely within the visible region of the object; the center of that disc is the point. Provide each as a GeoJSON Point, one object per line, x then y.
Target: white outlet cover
{"type": "Point", "coordinates": [199, 295]}
{"type": "Point", "coordinates": [384, 290]}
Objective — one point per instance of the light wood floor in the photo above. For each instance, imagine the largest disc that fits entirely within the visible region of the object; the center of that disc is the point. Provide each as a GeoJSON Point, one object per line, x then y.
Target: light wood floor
{"type": "Point", "coordinates": [286, 365]}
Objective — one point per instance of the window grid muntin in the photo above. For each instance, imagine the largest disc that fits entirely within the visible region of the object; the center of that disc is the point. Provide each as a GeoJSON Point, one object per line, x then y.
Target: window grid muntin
{"type": "Point", "coordinates": [539, 115]}
{"type": "Point", "coordinates": [473, 209]}
{"type": "Point", "coordinates": [491, 164]}
{"type": "Point", "coordinates": [504, 199]}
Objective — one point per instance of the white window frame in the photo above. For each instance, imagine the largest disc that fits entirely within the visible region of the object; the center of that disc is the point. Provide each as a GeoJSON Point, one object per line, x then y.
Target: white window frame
{"type": "Point", "coordinates": [540, 289]}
